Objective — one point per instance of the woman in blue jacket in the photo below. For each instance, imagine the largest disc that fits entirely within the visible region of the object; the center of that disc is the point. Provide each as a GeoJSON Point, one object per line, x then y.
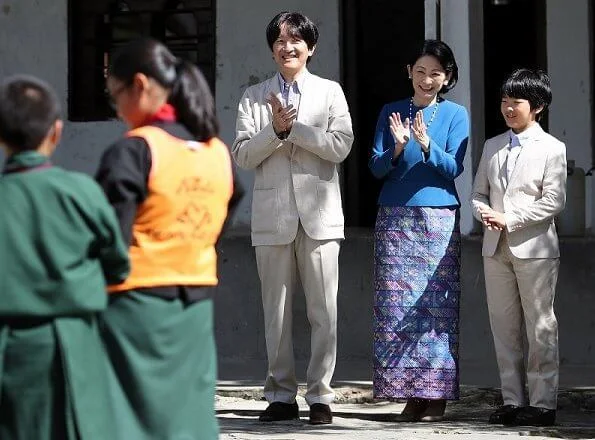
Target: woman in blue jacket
{"type": "Point", "coordinates": [419, 147]}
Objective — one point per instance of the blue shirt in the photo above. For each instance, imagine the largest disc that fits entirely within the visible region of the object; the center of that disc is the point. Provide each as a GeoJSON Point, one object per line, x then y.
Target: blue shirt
{"type": "Point", "coordinates": [292, 92]}
{"type": "Point", "coordinates": [413, 179]}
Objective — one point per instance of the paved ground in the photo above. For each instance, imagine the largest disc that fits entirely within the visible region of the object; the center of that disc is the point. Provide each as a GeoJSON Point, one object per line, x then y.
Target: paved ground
{"type": "Point", "coordinates": [358, 416]}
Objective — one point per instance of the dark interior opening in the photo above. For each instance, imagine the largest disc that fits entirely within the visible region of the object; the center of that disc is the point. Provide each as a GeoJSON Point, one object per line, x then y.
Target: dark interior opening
{"type": "Point", "coordinates": [514, 37]}
{"type": "Point", "coordinates": [376, 39]}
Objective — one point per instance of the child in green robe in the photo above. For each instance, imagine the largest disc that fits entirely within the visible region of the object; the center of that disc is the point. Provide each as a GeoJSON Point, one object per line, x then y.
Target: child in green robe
{"type": "Point", "coordinates": [60, 243]}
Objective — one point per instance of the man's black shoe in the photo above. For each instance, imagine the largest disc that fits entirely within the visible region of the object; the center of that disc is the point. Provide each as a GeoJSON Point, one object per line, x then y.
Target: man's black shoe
{"type": "Point", "coordinates": [277, 411]}
{"type": "Point", "coordinates": [504, 415]}
{"type": "Point", "coordinates": [320, 414]}
{"type": "Point", "coordinates": [535, 416]}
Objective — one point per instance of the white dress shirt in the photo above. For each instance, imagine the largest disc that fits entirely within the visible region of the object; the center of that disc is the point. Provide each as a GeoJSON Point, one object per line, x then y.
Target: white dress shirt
{"type": "Point", "coordinates": [517, 140]}
{"type": "Point", "coordinates": [514, 149]}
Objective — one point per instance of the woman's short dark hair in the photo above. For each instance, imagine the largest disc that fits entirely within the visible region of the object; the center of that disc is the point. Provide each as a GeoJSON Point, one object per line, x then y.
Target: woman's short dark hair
{"type": "Point", "coordinates": [443, 53]}
{"type": "Point", "coordinates": [298, 26]}
{"type": "Point", "coordinates": [532, 85]}
{"type": "Point", "coordinates": [189, 94]}
{"type": "Point", "coordinates": [28, 109]}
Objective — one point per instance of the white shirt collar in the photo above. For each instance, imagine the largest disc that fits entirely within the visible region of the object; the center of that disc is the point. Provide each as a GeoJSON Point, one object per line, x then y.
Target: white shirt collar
{"type": "Point", "coordinates": [520, 139]}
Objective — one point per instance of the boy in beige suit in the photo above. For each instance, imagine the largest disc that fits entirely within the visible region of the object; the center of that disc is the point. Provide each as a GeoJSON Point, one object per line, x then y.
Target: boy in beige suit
{"type": "Point", "coordinates": [293, 130]}
{"type": "Point", "coordinates": [519, 187]}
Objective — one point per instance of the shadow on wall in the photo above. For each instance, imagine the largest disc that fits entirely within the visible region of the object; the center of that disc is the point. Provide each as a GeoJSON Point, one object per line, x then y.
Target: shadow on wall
{"type": "Point", "coordinates": [83, 143]}
{"type": "Point", "coordinates": [240, 333]}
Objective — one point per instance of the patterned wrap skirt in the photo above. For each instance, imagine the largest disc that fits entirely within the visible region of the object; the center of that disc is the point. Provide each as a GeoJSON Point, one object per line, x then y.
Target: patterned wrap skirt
{"type": "Point", "coordinates": [416, 304]}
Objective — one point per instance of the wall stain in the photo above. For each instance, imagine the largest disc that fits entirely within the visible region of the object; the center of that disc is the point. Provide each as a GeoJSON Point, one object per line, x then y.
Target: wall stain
{"type": "Point", "coordinates": [252, 79]}
{"type": "Point", "coordinates": [6, 9]}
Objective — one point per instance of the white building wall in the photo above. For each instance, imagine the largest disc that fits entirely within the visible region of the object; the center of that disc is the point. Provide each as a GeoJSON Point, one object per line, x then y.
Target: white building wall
{"type": "Point", "coordinates": [37, 43]}
{"type": "Point", "coordinates": [33, 37]}
{"type": "Point", "coordinates": [244, 58]}
{"type": "Point", "coordinates": [570, 69]}
{"type": "Point", "coordinates": [455, 31]}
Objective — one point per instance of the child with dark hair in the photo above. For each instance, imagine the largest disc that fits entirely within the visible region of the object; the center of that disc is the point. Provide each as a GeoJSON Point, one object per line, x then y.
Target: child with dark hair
{"type": "Point", "coordinates": [170, 180]}
{"type": "Point", "coordinates": [60, 243]}
{"type": "Point", "coordinates": [519, 188]}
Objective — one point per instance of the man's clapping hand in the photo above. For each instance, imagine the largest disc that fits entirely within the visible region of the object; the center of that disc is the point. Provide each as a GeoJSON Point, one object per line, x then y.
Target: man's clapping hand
{"type": "Point", "coordinates": [283, 117]}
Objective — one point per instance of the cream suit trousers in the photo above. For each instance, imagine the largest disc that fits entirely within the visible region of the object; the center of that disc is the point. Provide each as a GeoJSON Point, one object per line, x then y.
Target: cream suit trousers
{"type": "Point", "coordinates": [316, 263]}
{"type": "Point", "coordinates": [520, 289]}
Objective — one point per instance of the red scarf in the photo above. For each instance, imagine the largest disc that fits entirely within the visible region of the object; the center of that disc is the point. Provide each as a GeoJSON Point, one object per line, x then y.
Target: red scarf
{"type": "Point", "coordinates": [166, 113]}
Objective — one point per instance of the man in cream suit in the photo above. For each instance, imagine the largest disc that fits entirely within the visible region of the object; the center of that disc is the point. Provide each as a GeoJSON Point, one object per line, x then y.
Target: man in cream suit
{"type": "Point", "coordinates": [519, 187]}
{"type": "Point", "coordinates": [294, 129]}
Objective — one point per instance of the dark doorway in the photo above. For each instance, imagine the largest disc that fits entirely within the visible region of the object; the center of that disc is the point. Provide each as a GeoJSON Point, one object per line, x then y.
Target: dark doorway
{"type": "Point", "coordinates": [376, 37]}
{"type": "Point", "coordinates": [592, 39]}
{"type": "Point", "coordinates": [514, 37]}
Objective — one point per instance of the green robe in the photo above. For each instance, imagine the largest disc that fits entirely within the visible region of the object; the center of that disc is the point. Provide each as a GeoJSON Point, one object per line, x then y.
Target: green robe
{"type": "Point", "coordinates": [59, 243]}
{"type": "Point", "coordinates": [164, 364]}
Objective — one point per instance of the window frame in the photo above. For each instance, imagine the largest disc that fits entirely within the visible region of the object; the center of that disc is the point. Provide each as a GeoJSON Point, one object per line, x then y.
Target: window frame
{"type": "Point", "coordinates": [88, 52]}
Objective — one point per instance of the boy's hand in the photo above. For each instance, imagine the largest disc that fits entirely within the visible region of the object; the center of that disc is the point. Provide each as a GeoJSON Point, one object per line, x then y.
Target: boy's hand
{"type": "Point", "coordinates": [493, 220]}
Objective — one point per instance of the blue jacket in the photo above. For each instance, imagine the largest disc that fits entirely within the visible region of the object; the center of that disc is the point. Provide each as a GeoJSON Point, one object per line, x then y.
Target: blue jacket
{"type": "Point", "coordinates": [413, 180]}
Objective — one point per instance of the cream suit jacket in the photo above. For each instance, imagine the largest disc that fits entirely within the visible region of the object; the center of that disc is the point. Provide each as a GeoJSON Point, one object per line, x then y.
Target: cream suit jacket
{"type": "Point", "coordinates": [535, 194]}
{"type": "Point", "coordinates": [296, 179]}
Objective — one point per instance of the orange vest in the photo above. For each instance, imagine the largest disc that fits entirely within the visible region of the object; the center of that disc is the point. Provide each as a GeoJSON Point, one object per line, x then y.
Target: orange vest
{"type": "Point", "coordinates": [178, 224]}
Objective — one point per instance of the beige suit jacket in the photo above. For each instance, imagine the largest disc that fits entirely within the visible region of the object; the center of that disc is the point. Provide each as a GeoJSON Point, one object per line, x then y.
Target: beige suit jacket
{"type": "Point", "coordinates": [535, 194]}
{"type": "Point", "coordinates": [296, 179]}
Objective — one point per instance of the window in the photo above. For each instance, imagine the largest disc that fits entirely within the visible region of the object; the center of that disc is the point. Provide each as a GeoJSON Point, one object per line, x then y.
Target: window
{"type": "Point", "coordinates": [98, 27]}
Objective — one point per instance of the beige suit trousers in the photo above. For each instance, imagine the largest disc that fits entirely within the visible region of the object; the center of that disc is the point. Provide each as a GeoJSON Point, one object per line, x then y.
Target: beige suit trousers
{"type": "Point", "coordinates": [316, 264]}
{"type": "Point", "coordinates": [523, 290]}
